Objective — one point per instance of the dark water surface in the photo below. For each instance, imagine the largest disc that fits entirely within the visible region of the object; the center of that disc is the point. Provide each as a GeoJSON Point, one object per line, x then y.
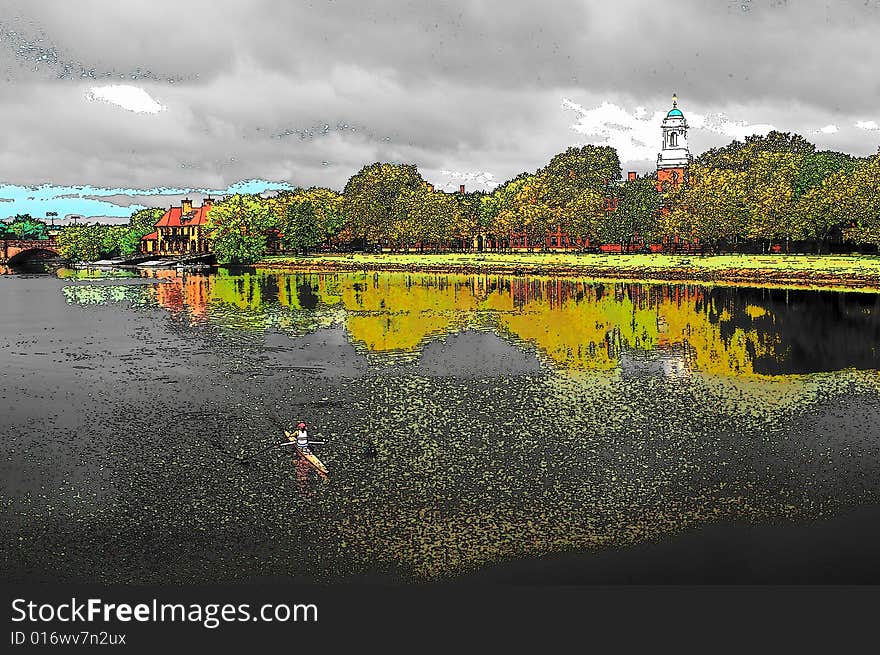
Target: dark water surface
{"type": "Point", "coordinates": [527, 429]}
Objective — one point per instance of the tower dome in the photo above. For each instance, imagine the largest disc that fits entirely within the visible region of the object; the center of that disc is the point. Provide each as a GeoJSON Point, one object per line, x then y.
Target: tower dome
{"type": "Point", "coordinates": [675, 112]}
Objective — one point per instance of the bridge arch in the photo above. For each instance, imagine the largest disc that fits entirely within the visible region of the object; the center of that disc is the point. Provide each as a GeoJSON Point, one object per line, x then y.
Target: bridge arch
{"type": "Point", "coordinates": [17, 254]}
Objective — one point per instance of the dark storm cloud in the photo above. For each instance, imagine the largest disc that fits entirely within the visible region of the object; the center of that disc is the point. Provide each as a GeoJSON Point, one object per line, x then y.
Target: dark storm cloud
{"type": "Point", "coordinates": [715, 49]}
{"type": "Point", "coordinates": [309, 92]}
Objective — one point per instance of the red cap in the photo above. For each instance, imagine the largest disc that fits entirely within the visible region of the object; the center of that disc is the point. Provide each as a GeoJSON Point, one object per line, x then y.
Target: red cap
{"type": "Point", "coordinates": [301, 425]}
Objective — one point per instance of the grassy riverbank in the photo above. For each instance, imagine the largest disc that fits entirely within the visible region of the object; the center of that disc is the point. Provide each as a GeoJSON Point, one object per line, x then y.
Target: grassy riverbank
{"type": "Point", "coordinates": [827, 271]}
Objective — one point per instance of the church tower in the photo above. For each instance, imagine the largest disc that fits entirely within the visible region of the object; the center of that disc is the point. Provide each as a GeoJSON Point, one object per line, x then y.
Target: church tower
{"type": "Point", "coordinates": [674, 157]}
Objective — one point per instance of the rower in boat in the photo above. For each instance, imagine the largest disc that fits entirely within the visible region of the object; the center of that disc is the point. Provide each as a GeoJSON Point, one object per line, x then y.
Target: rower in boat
{"type": "Point", "coordinates": [301, 442]}
{"type": "Point", "coordinates": [302, 437]}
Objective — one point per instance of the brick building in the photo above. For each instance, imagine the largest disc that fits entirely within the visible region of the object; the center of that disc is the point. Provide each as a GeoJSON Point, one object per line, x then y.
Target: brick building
{"type": "Point", "coordinates": [180, 231]}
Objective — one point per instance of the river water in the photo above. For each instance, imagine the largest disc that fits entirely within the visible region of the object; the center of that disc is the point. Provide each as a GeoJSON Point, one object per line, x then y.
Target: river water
{"type": "Point", "coordinates": [514, 419]}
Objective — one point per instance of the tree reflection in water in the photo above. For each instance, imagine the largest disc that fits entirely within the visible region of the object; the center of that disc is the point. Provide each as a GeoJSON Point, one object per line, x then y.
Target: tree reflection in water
{"type": "Point", "coordinates": [573, 324]}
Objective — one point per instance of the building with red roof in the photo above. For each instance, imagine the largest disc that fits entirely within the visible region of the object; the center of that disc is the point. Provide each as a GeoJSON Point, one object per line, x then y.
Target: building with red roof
{"type": "Point", "coordinates": [180, 231]}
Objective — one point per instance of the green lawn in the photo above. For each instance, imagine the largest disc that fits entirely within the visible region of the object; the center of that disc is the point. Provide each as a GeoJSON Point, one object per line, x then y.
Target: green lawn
{"type": "Point", "coordinates": [860, 266]}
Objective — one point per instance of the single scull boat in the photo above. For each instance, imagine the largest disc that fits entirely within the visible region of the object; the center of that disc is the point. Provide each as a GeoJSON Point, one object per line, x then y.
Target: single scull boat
{"type": "Point", "coordinates": [307, 454]}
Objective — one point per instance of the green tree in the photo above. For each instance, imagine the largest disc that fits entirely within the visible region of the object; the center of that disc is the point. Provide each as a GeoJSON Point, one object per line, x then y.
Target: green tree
{"type": "Point", "coordinates": [143, 221]}
{"type": "Point", "coordinates": [117, 240]}
{"type": "Point", "coordinates": [24, 226]}
{"type": "Point", "coordinates": [826, 208]}
{"type": "Point", "coordinates": [744, 190]}
{"type": "Point", "coordinates": [82, 243]}
{"type": "Point", "coordinates": [300, 229]}
{"type": "Point", "coordinates": [128, 242]}
{"type": "Point", "coordinates": [421, 216]}
{"type": "Point", "coordinates": [404, 229]}
{"type": "Point", "coordinates": [567, 193]}
{"type": "Point", "coordinates": [572, 172]}
{"type": "Point", "coordinates": [469, 216]}
{"type": "Point", "coordinates": [528, 212]}
{"type": "Point", "coordinates": [776, 141]}
{"type": "Point", "coordinates": [636, 216]}
{"type": "Point", "coordinates": [860, 202]}
{"type": "Point", "coordinates": [426, 217]}
{"type": "Point", "coordinates": [371, 198]}
{"type": "Point", "coordinates": [239, 227]}
{"type": "Point", "coordinates": [818, 166]}
{"type": "Point", "coordinates": [327, 206]}
{"type": "Point", "coordinates": [712, 207]}
{"type": "Point", "coordinates": [739, 155]}
{"type": "Point", "coordinates": [772, 180]}
{"type": "Point", "coordinates": [496, 208]}
{"type": "Point", "coordinates": [585, 217]}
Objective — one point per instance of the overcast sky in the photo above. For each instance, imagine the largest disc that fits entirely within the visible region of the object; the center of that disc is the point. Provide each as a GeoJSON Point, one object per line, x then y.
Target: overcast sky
{"type": "Point", "coordinates": [132, 97]}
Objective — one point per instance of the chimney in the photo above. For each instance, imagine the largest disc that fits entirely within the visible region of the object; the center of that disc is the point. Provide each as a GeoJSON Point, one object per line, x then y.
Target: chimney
{"type": "Point", "coordinates": [631, 176]}
{"type": "Point", "coordinates": [461, 188]}
{"type": "Point", "coordinates": [186, 206]}
{"type": "Point", "coordinates": [208, 201]}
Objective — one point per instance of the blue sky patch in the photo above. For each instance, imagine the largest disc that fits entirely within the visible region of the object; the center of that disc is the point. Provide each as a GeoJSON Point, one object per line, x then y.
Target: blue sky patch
{"type": "Point", "coordinates": [95, 203]}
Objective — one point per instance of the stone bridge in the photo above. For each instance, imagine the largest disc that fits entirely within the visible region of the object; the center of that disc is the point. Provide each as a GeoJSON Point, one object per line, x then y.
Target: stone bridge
{"type": "Point", "coordinates": [19, 250]}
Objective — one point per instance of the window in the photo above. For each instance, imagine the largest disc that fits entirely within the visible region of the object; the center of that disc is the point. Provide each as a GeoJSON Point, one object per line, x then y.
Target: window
{"type": "Point", "coordinates": [673, 139]}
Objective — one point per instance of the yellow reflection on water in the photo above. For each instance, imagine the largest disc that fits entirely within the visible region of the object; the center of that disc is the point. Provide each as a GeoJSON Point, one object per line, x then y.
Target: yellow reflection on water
{"type": "Point", "coordinates": [399, 313]}
{"type": "Point", "coordinates": [574, 325]}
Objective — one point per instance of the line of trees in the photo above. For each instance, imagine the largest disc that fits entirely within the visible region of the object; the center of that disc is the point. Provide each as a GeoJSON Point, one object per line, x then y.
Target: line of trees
{"type": "Point", "coordinates": [90, 242]}
{"type": "Point", "coordinates": [393, 205]}
{"type": "Point", "coordinates": [776, 188]}
{"type": "Point", "coordinates": [86, 241]}
{"type": "Point", "coordinates": [773, 189]}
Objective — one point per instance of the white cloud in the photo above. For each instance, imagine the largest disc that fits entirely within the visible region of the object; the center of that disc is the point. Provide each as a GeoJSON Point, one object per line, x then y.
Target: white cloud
{"type": "Point", "coordinates": [828, 129]}
{"type": "Point", "coordinates": [480, 179]}
{"type": "Point", "coordinates": [636, 135]}
{"type": "Point", "coordinates": [719, 123]}
{"type": "Point", "coordinates": [131, 98]}
{"type": "Point", "coordinates": [633, 135]}
{"type": "Point", "coordinates": [867, 125]}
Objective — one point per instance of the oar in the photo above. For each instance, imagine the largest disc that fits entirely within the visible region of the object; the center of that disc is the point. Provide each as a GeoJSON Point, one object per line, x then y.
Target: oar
{"type": "Point", "coordinates": [262, 452]}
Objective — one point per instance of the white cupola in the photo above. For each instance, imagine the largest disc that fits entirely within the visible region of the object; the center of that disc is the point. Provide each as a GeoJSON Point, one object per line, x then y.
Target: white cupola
{"type": "Point", "coordinates": [674, 152]}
